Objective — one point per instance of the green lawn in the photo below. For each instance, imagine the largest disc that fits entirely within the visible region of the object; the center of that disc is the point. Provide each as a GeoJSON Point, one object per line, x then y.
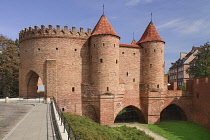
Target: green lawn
{"type": "Point", "coordinates": [86, 129]}
{"type": "Point", "coordinates": [180, 131]}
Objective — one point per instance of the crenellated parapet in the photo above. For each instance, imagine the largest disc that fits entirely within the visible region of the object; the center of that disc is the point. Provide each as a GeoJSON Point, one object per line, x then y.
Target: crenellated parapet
{"type": "Point", "coordinates": [50, 32]}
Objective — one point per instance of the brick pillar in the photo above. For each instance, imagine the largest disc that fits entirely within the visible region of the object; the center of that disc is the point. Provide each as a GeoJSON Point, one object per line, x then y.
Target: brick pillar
{"type": "Point", "coordinates": [50, 78]}
{"type": "Point", "coordinates": [106, 109]}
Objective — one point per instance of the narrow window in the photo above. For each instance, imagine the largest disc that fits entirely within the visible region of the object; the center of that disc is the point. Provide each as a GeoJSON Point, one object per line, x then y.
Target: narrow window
{"type": "Point", "coordinates": [103, 44]}
{"type": "Point", "coordinates": [154, 50]}
{"type": "Point", "coordinates": [158, 86]}
{"type": "Point", "coordinates": [116, 61]}
{"type": "Point", "coordinates": [63, 109]}
{"type": "Point", "coordinates": [73, 89]}
{"type": "Point", "coordinates": [107, 88]}
{"type": "Point", "coordinates": [150, 65]}
{"type": "Point", "coordinates": [134, 53]}
{"type": "Point", "coordinates": [114, 45]}
{"type": "Point", "coordinates": [56, 48]}
{"type": "Point", "coordinates": [101, 60]}
{"type": "Point", "coordinates": [134, 80]}
{"type": "Point", "coordinates": [75, 50]}
{"type": "Point", "coordinates": [39, 49]}
{"type": "Point", "coordinates": [122, 52]}
{"type": "Point", "coordinates": [127, 73]}
{"type": "Point", "coordinates": [94, 45]}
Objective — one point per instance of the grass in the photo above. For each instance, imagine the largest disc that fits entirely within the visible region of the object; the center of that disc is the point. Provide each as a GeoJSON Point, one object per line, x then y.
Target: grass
{"type": "Point", "coordinates": [180, 131]}
{"type": "Point", "coordinates": [86, 129]}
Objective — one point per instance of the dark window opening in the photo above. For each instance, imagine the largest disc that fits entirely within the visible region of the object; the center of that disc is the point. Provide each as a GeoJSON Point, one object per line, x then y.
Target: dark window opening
{"type": "Point", "coordinates": [116, 61]}
{"type": "Point", "coordinates": [107, 89]}
{"type": "Point", "coordinates": [134, 80]}
{"type": "Point", "coordinates": [150, 65]}
{"type": "Point", "coordinates": [56, 48]}
{"type": "Point", "coordinates": [39, 49]}
{"type": "Point", "coordinates": [73, 89]}
{"type": "Point", "coordinates": [75, 50]}
{"type": "Point", "coordinates": [158, 86]}
{"type": "Point", "coordinates": [134, 53]}
{"type": "Point", "coordinates": [101, 60]}
{"type": "Point", "coordinates": [63, 109]}
{"type": "Point", "coordinates": [103, 44]}
{"type": "Point", "coordinates": [127, 73]}
{"type": "Point", "coordinates": [154, 50]}
{"type": "Point", "coordinates": [94, 45]}
{"type": "Point", "coordinates": [114, 45]}
{"type": "Point", "coordinates": [122, 52]}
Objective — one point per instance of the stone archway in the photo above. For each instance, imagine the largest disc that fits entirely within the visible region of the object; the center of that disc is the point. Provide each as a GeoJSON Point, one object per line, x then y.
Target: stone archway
{"type": "Point", "coordinates": [130, 114]}
{"type": "Point", "coordinates": [31, 81]}
{"type": "Point", "coordinates": [172, 113]}
{"type": "Point", "coordinates": [91, 112]}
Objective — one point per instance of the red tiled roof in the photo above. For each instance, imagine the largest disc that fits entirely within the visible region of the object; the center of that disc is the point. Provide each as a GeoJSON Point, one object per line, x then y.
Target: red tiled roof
{"type": "Point", "coordinates": [129, 45]}
{"type": "Point", "coordinates": [103, 27]}
{"type": "Point", "coordinates": [150, 34]}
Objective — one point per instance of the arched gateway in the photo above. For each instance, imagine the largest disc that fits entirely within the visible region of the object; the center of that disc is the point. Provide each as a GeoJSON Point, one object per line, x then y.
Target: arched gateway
{"type": "Point", "coordinates": [130, 114]}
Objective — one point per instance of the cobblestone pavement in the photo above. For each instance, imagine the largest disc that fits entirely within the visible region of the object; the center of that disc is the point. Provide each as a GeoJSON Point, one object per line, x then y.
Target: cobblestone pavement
{"type": "Point", "coordinates": [10, 115]}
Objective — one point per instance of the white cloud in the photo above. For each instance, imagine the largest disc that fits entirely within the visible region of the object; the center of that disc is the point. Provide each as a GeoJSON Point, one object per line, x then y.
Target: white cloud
{"type": "Point", "coordinates": [186, 26]}
{"type": "Point", "coordinates": [135, 2]}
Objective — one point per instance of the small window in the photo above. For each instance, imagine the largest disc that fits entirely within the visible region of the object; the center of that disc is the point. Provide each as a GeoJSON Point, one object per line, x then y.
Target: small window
{"type": "Point", "coordinates": [56, 48]}
{"type": "Point", "coordinates": [134, 80]}
{"type": "Point", "coordinates": [127, 73]}
{"type": "Point", "coordinates": [158, 86]}
{"type": "Point", "coordinates": [103, 44]}
{"type": "Point", "coordinates": [114, 45]}
{"type": "Point", "coordinates": [107, 88]}
{"type": "Point", "coordinates": [116, 61]}
{"type": "Point", "coordinates": [39, 49]}
{"type": "Point", "coordinates": [73, 89]}
{"type": "Point", "coordinates": [101, 60]}
{"type": "Point", "coordinates": [150, 65]}
{"type": "Point", "coordinates": [154, 50]}
{"type": "Point", "coordinates": [75, 50]}
{"type": "Point", "coordinates": [123, 52]}
{"type": "Point", "coordinates": [94, 45]}
{"type": "Point", "coordinates": [134, 53]}
{"type": "Point", "coordinates": [63, 109]}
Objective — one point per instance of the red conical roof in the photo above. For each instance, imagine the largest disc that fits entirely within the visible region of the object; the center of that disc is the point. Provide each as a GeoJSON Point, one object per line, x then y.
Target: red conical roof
{"type": "Point", "coordinates": [103, 27]}
{"type": "Point", "coordinates": [150, 34]}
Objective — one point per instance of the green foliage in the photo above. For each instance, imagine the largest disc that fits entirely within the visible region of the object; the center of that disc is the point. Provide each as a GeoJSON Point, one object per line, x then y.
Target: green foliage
{"type": "Point", "coordinates": [86, 129]}
{"type": "Point", "coordinates": [201, 67]}
{"type": "Point", "coordinates": [180, 131]}
{"type": "Point", "coordinates": [9, 67]}
{"type": "Point", "coordinates": [182, 87]}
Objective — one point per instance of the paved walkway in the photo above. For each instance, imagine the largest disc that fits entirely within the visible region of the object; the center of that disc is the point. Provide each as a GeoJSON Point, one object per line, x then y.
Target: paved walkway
{"type": "Point", "coordinates": [36, 125]}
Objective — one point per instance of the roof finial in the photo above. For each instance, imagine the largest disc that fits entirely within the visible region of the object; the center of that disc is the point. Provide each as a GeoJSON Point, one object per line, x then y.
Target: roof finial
{"type": "Point", "coordinates": [133, 36]}
{"type": "Point", "coordinates": [151, 16]}
{"type": "Point", "coordinates": [103, 9]}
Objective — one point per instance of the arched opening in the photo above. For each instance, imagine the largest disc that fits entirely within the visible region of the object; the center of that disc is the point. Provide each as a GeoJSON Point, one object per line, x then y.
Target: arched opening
{"type": "Point", "coordinates": [91, 112]}
{"type": "Point", "coordinates": [172, 113]}
{"type": "Point", "coordinates": [35, 86]}
{"type": "Point", "coordinates": [130, 114]}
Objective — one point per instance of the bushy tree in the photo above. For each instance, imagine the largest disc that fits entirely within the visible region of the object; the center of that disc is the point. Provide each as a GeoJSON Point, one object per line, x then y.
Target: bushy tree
{"type": "Point", "coordinates": [200, 68]}
{"type": "Point", "coordinates": [9, 67]}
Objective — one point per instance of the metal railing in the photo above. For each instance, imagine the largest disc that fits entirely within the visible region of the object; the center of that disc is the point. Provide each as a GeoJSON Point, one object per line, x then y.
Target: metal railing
{"type": "Point", "coordinates": [66, 125]}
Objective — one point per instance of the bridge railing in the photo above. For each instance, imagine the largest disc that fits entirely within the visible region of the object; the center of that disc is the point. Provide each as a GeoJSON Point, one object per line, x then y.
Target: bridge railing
{"type": "Point", "coordinates": [66, 125]}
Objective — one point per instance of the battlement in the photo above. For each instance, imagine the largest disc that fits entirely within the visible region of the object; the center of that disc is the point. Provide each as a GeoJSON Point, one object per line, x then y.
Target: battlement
{"type": "Point", "coordinates": [50, 32]}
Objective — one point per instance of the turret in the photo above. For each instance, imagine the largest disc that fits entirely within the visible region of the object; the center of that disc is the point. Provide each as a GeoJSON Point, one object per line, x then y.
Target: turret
{"type": "Point", "coordinates": [152, 74]}
{"type": "Point", "coordinates": [104, 48]}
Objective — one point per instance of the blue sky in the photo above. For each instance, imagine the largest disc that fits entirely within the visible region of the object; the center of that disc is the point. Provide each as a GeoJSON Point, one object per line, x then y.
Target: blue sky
{"type": "Point", "coordinates": [181, 23]}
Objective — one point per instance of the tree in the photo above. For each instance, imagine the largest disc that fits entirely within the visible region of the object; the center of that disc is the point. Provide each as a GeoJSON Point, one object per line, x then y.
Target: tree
{"type": "Point", "coordinates": [200, 67]}
{"type": "Point", "coordinates": [9, 67]}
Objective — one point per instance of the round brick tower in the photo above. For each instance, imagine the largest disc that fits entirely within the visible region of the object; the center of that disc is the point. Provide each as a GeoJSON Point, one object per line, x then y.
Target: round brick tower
{"type": "Point", "coordinates": [104, 48]}
{"type": "Point", "coordinates": [152, 75]}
